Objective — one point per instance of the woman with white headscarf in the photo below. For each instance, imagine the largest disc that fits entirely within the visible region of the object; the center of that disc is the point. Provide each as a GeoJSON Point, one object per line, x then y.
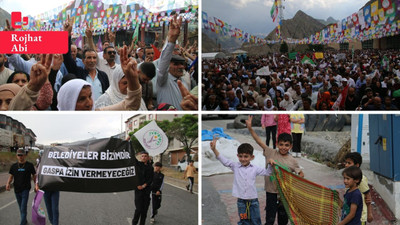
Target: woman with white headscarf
{"type": "Point", "coordinates": [268, 105]}
{"type": "Point", "coordinates": [77, 94]}
{"type": "Point", "coordinates": [117, 91]}
{"type": "Point", "coordinates": [287, 102]}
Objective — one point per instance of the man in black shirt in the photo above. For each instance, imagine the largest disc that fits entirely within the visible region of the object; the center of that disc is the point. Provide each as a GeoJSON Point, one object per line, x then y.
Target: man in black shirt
{"type": "Point", "coordinates": [352, 100]}
{"type": "Point", "coordinates": [21, 173]}
{"type": "Point", "coordinates": [142, 193]}
{"type": "Point", "coordinates": [156, 187]}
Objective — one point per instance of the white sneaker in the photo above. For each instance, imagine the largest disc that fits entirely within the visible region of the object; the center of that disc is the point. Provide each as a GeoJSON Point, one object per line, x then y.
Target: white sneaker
{"type": "Point", "coordinates": [152, 220]}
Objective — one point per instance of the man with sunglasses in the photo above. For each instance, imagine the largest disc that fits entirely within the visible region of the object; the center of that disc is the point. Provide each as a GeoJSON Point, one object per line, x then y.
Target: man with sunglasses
{"type": "Point", "coordinates": [108, 64]}
{"type": "Point", "coordinates": [21, 172]}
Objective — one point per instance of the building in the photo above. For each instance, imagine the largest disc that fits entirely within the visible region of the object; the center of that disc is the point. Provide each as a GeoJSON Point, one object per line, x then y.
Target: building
{"type": "Point", "coordinates": [15, 134]}
{"type": "Point", "coordinates": [375, 139]}
{"type": "Point", "coordinates": [175, 151]}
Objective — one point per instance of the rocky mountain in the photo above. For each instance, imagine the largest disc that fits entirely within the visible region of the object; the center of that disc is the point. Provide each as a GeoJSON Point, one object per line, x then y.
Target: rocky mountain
{"type": "Point", "coordinates": [328, 21]}
{"type": "Point", "coordinates": [3, 16]}
{"type": "Point", "coordinates": [300, 26]}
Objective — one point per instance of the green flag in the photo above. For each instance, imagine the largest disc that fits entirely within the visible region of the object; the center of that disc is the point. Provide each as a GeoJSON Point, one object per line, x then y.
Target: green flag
{"type": "Point", "coordinates": [307, 60]}
{"type": "Point", "coordinates": [385, 63]}
{"type": "Point", "coordinates": [136, 33]}
{"type": "Point", "coordinates": [292, 55]}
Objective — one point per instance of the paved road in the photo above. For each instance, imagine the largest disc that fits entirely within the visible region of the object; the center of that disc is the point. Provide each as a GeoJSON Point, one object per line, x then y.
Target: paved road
{"type": "Point", "coordinates": [213, 209]}
{"type": "Point", "coordinates": [178, 207]}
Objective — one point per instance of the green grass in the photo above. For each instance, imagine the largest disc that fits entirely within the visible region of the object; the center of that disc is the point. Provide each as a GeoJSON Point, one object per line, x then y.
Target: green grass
{"type": "Point", "coordinates": [8, 158]}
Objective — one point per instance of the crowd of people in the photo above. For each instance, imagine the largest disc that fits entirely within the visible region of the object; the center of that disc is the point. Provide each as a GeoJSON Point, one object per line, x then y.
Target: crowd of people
{"type": "Point", "coordinates": [138, 77]}
{"type": "Point", "coordinates": [341, 80]}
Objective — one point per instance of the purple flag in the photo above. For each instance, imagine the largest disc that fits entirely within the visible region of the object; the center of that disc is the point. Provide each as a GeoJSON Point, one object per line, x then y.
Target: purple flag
{"type": "Point", "coordinates": [78, 42]}
{"type": "Point", "coordinates": [99, 45]}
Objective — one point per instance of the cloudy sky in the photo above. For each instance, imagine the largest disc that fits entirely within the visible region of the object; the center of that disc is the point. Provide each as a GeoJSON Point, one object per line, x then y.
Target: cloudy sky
{"type": "Point", "coordinates": [253, 16]}
{"type": "Point", "coordinates": [67, 127]}
{"type": "Point", "coordinates": [31, 7]}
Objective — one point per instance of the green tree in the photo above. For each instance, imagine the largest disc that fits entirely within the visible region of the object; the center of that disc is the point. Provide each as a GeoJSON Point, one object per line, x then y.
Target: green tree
{"type": "Point", "coordinates": [185, 130]}
{"type": "Point", "coordinates": [284, 48]}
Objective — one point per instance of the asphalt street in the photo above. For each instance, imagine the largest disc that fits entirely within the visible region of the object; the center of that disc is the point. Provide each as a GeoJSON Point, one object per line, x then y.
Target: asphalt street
{"type": "Point", "coordinates": [178, 206]}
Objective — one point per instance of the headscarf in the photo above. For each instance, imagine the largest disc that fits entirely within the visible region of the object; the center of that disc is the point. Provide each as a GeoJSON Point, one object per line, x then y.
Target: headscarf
{"type": "Point", "coordinates": [325, 97]}
{"type": "Point", "coordinates": [265, 104]}
{"type": "Point", "coordinates": [69, 93]}
{"type": "Point", "coordinates": [287, 104]}
{"type": "Point", "coordinates": [14, 88]}
{"type": "Point", "coordinates": [112, 95]}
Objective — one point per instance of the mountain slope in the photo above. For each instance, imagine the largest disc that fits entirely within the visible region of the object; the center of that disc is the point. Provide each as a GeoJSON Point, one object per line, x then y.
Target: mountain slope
{"type": "Point", "coordinates": [300, 26]}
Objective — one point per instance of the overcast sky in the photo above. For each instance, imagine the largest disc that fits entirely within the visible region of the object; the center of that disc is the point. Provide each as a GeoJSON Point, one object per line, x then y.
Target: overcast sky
{"type": "Point", "coordinates": [67, 127]}
{"type": "Point", "coordinates": [31, 7]}
{"type": "Point", "coordinates": [253, 16]}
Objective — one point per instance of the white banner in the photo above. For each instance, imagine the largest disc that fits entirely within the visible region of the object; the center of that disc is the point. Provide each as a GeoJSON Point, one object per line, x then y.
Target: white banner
{"type": "Point", "coordinates": [152, 138]}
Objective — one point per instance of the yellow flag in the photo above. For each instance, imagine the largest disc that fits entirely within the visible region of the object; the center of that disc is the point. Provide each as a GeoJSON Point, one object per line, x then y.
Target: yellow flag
{"type": "Point", "coordinates": [319, 55]}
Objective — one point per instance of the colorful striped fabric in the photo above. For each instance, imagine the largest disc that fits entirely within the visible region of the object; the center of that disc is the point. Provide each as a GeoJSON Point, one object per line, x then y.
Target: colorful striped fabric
{"type": "Point", "coordinates": [306, 202]}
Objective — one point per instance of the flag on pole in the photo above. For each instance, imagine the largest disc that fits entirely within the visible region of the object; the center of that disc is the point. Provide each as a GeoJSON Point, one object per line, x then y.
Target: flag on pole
{"type": "Point", "coordinates": [307, 60]}
{"type": "Point", "coordinates": [274, 10]}
{"type": "Point", "coordinates": [152, 138]}
{"type": "Point", "coordinates": [136, 33]}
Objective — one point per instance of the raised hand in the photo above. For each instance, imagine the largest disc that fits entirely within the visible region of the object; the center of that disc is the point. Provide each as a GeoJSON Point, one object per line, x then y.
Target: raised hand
{"type": "Point", "coordinates": [39, 73]}
{"type": "Point", "coordinates": [58, 59]}
{"type": "Point", "coordinates": [142, 44]}
{"type": "Point", "coordinates": [112, 36]}
{"type": "Point", "coordinates": [213, 143]}
{"type": "Point", "coordinates": [8, 26]}
{"type": "Point", "coordinates": [129, 66]}
{"type": "Point", "coordinates": [174, 28]}
{"type": "Point", "coordinates": [248, 121]}
{"type": "Point", "coordinates": [189, 101]}
{"type": "Point", "coordinates": [89, 31]}
{"type": "Point", "coordinates": [68, 26]}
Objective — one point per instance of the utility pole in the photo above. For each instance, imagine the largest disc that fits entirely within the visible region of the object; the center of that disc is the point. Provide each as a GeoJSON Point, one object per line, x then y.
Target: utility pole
{"type": "Point", "coordinates": [281, 8]}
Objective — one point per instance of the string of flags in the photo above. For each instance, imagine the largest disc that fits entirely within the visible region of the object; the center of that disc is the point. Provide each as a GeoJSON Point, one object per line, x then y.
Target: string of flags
{"type": "Point", "coordinates": [378, 19]}
{"type": "Point", "coordinates": [112, 14]}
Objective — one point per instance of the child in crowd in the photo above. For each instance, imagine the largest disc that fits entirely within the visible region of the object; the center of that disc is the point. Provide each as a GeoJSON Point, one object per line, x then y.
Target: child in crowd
{"type": "Point", "coordinates": [355, 159]}
{"type": "Point", "coordinates": [353, 203]}
{"type": "Point", "coordinates": [156, 187]}
{"type": "Point", "coordinates": [285, 143]}
{"type": "Point", "coordinates": [244, 182]}
{"type": "Point", "coordinates": [189, 173]}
